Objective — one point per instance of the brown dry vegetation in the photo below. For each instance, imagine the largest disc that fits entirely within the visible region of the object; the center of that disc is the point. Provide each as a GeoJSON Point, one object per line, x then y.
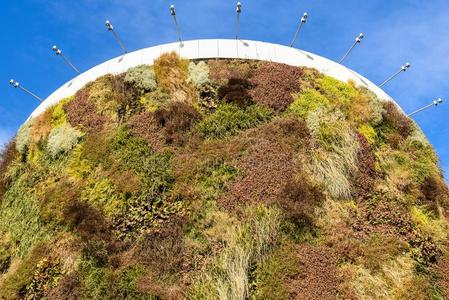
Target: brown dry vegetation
{"type": "Point", "coordinates": [318, 278]}
{"type": "Point", "coordinates": [7, 156]}
{"type": "Point", "coordinates": [365, 176]}
{"type": "Point", "coordinates": [83, 114]}
{"type": "Point", "coordinates": [273, 85]}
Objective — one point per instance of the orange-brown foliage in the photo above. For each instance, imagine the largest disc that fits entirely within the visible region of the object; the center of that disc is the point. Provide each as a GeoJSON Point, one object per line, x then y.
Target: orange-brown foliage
{"type": "Point", "coordinates": [318, 278]}
{"type": "Point", "coordinates": [273, 85]}
{"type": "Point", "coordinates": [7, 155]}
{"type": "Point", "coordinates": [83, 114]}
{"type": "Point", "coordinates": [365, 177]}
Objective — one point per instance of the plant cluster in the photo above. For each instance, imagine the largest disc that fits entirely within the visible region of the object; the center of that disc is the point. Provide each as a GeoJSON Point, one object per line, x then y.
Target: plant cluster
{"type": "Point", "coordinates": [222, 179]}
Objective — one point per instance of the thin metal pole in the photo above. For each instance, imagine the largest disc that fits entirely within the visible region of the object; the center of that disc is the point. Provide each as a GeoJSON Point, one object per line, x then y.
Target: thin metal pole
{"type": "Point", "coordinates": [403, 69]}
{"type": "Point", "coordinates": [16, 85]}
{"type": "Point", "coordinates": [178, 31]}
{"type": "Point", "coordinates": [239, 11]}
{"type": "Point", "coordinates": [114, 34]}
{"type": "Point", "coordinates": [434, 103]}
{"type": "Point", "coordinates": [358, 40]}
{"type": "Point", "coordinates": [303, 21]}
{"type": "Point", "coordinates": [58, 52]}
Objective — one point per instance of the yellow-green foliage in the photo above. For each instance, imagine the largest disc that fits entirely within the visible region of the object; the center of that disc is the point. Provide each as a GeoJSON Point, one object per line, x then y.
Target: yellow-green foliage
{"type": "Point", "coordinates": [101, 92]}
{"type": "Point", "coordinates": [271, 275]}
{"type": "Point", "coordinates": [62, 139]}
{"type": "Point", "coordinates": [334, 160]}
{"type": "Point", "coordinates": [77, 166]}
{"type": "Point", "coordinates": [307, 102]}
{"type": "Point", "coordinates": [58, 116]}
{"type": "Point", "coordinates": [393, 281]}
{"type": "Point", "coordinates": [20, 217]}
{"type": "Point", "coordinates": [369, 133]}
{"type": "Point", "coordinates": [142, 77]}
{"type": "Point", "coordinates": [155, 100]}
{"type": "Point", "coordinates": [229, 119]}
{"type": "Point", "coordinates": [199, 73]}
{"type": "Point", "coordinates": [172, 75]}
{"type": "Point", "coordinates": [101, 193]}
{"type": "Point", "coordinates": [435, 226]}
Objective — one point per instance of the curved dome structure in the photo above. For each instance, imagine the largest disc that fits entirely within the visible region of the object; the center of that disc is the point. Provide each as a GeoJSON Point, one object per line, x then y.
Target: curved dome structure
{"type": "Point", "coordinates": [209, 49]}
{"type": "Point", "coordinates": [268, 173]}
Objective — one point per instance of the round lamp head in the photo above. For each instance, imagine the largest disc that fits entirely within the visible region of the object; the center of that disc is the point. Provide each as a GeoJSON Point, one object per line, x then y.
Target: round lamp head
{"type": "Point", "coordinates": [172, 10]}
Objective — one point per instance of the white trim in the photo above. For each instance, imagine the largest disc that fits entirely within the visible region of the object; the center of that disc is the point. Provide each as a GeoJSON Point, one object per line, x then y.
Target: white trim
{"type": "Point", "coordinates": [209, 49]}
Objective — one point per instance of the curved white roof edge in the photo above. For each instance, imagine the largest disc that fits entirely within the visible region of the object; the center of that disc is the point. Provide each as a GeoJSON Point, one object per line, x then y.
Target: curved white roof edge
{"type": "Point", "coordinates": [210, 49]}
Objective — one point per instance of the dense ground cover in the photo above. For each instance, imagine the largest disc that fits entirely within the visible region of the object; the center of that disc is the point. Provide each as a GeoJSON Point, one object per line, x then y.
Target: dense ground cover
{"type": "Point", "coordinates": [222, 179]}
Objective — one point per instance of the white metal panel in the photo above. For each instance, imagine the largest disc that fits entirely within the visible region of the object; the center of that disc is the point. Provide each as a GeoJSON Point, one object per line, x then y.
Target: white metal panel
{"type": "Point", "coordinates": [205, 49]}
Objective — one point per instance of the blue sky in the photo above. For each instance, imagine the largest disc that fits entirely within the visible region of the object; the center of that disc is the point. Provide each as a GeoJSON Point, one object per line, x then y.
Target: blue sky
{"type": "Point", "coordinates": [396, 32]}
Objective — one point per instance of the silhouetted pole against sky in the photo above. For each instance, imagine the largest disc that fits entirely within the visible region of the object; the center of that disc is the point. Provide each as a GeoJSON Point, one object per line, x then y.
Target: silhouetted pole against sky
{"type": "Point", "coordinates": [58, 52]}
{"type": "Point", "coordinates": [116, 37]}
{"type": "Point", "coordinates": [178, 31]}
{"type": "Point", "coordinates": [301, 23]}
{"type": "Point", "coordinates": [358, 40]}
{"type": "Point", "coordinates": [239, 11]}
{"type": "Point", "coordinates": [434, 103]}
{"type": "Point", "coordinates": [17, 85]}
{"type": "Point", "coordinates": [404, 68]}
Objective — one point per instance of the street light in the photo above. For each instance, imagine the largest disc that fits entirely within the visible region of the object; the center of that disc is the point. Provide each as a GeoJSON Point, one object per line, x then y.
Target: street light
{"type": "Point", "coordinates": [119, 41]}
{"type": "Point", "coordinates": [404, 68]}
{"type": "Point", "coordinates": [58, 52]}
{"type": "Point", "coordinates": [435, 102]}
{"type": "Point", "coordinates": [303, 21]}
{"type": "Point", "coordinates": [178, 31]}
{"type": "Point", "coordinates": [358, 40]}
{"type": "Point", "coordinates": [239, 11]}
{"type": "Point", "coordinates": [16, 85]}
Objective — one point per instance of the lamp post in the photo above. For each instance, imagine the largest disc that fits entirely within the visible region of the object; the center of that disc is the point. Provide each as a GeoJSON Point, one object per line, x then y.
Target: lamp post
{"type": "Point", "coordinates": [358, 40]}
{"type": "Point", "coordinates": [435, 102]}
{"type": "Point", "coordinates": [239, 11]}
{"type": "Point", "coordinates": [16, 85]}
{"type": "Point", "coordinates": [301, 23]}
{"type": "Point", "coordinates": [178, 31]}
{"type": "Point", "coordinates": [58, 52]}
{"type": "Point", "coordinates": [116, 37]}
{"type": "Point", "coordinates": [404, 68]}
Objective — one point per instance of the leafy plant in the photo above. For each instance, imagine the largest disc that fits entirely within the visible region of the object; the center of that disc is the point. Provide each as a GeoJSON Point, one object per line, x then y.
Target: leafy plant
{"type": "Point", "coordinates": [63, 139]}
{"type": "Point", "coordinates": [229, 119]}
{"type": "Point", "coordinates": [142, 78]}
{"type": "Point", "coordinates": [199, 73]}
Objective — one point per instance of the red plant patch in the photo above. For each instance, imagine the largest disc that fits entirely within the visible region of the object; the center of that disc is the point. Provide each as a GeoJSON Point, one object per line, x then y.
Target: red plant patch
{"type": "Point", "coordinates": [165, 126]}
{"type": "Point", "coordinates": [396, 119]}
{"type": "Point", "coordinates": [7, 155]}
{"type": "Point", "coordinates": [435, 193]}
{"type": "Point", "coordinates": [82, 113]}
{"type": "Point", "coordinates": [266, 168]}
{"type": "Point", "coordinates": [273, 85]}
{"type": "Point", "coordinates": [442, 272]}
{"type": "Point", "coordinates": [318, 278]}
{"type": "Point", "coordinates": [363, 180]}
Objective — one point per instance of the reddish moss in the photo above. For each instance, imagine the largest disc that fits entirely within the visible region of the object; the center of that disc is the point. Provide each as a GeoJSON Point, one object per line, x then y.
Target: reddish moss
{"type": "Point", "coordinates": [442, 272]}
{"type": "Point", "coordinates": [274, 84]}
{"type": "Point", "coordinates": [165, 126]}
{"type": "Point", "coordinates": [83, 114]}
{"type": "Point", "coordinates": [269, 171]}
{"type": "Point", "coordinates": [7, 156]}
{"type": "Point", "coordinates": [396, 119]}
{"type": "Point", "coordinates": [318, 278]}
{"type": "Point", "coordinates": [364, 179]}
{"type": "Point", "coordinates": [435, 193]}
